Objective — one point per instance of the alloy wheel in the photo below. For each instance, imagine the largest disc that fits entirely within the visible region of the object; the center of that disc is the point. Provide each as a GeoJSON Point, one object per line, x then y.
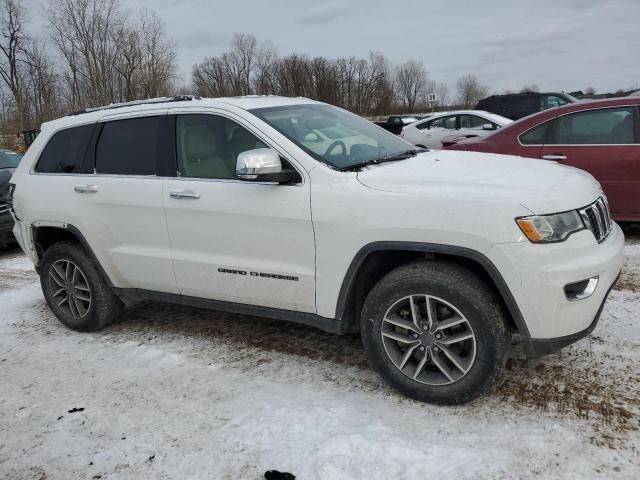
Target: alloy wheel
{"type": "Point", "coordinates": [428, 340]}
{"type": "Point", "coordinates": [70, 288]}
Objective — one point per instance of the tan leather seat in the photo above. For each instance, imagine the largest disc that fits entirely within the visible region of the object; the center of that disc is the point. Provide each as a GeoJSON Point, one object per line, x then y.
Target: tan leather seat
{"type": "Point", "coordinates": [202, 157]}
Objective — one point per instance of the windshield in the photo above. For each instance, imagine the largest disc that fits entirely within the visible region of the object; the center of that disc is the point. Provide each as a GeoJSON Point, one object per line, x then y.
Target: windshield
{"type": "Point", "coordinates": [9, 159]}
{"type": "Point", "coordinates": [333, 136]}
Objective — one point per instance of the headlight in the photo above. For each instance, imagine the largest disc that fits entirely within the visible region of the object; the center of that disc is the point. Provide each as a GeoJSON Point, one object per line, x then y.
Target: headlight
{"type": "Point", "coordinates": [551, 228]}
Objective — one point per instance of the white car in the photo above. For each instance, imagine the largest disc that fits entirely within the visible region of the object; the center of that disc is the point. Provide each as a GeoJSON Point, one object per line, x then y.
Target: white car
{"type": "Point", "coordinates": [430, 133]}
{"type": "Point", "coordinates": [441, 260]}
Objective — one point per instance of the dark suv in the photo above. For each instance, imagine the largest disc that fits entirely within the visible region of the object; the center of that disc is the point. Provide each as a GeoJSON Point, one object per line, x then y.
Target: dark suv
{"type": "Point", "coordinates": [518, 105]}
{"type": "Point", "coordinates": [8, 162]}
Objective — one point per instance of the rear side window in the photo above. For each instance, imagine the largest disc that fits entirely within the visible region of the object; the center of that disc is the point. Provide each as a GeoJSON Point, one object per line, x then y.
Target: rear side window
{"type": "Point", "coordinates": [65, 152]}
{"type": "Point", "coordinates": [129, 147]}
{"type": "Point", "coordinates": [596, 127]}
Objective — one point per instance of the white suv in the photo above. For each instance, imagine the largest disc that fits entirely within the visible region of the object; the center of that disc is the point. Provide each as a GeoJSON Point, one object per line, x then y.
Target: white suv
{"type": "Point", "coordinates": [297, 210]}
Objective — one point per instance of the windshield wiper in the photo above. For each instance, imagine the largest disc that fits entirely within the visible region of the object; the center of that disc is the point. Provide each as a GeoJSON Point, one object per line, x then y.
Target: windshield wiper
{"type": "Point", "coordinates": [387, 158]}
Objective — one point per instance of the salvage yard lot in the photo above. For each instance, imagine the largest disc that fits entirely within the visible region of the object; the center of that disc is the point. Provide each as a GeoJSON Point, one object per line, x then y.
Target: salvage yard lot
{"type": "Point", "coordinates": [177, 392]}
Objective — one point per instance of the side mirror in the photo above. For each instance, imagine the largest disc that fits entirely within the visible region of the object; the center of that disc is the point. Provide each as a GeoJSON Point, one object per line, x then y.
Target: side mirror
{"type": "Point", "coordinates": [487, 126]}
{"type": "Point", "coordinates": [261, 165]}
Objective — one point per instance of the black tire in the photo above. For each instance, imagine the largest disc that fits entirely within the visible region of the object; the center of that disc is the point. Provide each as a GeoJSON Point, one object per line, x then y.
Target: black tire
{"type": "Point", "coordinates": [104, 307]}
{"type": "Point", "coordinates": [472, 297]}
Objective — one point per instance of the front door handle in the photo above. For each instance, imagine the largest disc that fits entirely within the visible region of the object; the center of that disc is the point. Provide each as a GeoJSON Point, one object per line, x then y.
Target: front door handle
{"type": "Point", "coordinates": [556, 157]}
{"type": "Point", "coordinates": [184, 194]}
{"type": "Point", "coordinates": [85, 189]}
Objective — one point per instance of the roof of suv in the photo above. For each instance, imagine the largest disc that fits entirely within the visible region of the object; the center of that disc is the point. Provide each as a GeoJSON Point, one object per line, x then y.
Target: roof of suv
{"type": "Point", "coordinates": [246, 103]}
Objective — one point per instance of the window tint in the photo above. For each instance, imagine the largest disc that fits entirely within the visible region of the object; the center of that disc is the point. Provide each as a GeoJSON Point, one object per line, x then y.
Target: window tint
{"type": "Point", "coordinates": [605, 126]}
{"type": "Point", "coordinates": [128, 147]}
{"type": "Point", "coordinates": [444, 122]}
{"type": "Point", "coordinates": [208, 145]}
{"type": "Point", "coordinates": [472, 121]}
{"type": "Point", "coordinates": [65, 152]}
{"type": "Point", "coordinates": [536, 135]}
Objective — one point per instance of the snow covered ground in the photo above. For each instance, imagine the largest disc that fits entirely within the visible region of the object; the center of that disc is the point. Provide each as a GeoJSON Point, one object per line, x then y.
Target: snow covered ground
{"type": "Point", "coordinates": [181, 393]}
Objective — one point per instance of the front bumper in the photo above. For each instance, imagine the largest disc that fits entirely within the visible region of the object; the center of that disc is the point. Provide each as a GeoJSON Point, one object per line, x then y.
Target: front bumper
{"type": "Point", "coordinates": [537, 275]}
{"type": "Point", "coordinates": [539, 347]}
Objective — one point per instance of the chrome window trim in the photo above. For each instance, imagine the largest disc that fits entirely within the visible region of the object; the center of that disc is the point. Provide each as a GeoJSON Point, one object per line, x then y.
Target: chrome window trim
{"type": "Point", "coordinates": [577, 144]}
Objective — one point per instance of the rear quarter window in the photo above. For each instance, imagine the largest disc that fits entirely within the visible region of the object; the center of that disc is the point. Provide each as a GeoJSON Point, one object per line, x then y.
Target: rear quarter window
{"type": "Point", "coordinates": [65, 152]}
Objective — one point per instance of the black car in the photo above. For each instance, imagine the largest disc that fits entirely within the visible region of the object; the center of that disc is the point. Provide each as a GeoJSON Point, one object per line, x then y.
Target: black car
{"type": "Point", "coordinates": [518, 105]}
{"type": "Point", "coordinates": [395, 123]}
{"type": "Point", "coordinates": [9, 160]}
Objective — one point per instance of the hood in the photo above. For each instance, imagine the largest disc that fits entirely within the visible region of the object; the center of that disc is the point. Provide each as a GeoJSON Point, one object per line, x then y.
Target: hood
{"type": "Point", "coordinates": [540, 186]}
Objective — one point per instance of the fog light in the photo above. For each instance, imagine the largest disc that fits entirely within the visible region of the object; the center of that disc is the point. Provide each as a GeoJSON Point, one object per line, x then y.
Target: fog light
{"type": "Point", "coordinates": [582, 289]}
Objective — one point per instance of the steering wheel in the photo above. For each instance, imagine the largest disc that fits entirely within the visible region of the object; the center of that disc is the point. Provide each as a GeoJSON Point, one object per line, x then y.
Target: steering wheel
{"type": "Point", "coordinates": [333, 146]}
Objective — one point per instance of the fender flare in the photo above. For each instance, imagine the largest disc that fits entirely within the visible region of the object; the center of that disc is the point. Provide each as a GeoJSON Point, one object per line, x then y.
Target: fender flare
{"type": "Point", "coordinates": [435, 248]}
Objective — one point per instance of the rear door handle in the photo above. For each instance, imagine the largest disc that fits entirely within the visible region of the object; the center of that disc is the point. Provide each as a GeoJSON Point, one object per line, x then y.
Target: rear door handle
{"type": "Point", "coordinates": [557, 157]}
{"type": "Point", "coordinates": [85, 189]}
{"type": "Point", "coordinates": [184, 194]}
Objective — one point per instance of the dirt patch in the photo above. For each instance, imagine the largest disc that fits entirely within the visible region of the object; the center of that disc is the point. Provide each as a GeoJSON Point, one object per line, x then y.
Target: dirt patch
{"type": "Point", "coordinates": [590, 393]}
{"type": "Point", "coordinates": [629, 280]}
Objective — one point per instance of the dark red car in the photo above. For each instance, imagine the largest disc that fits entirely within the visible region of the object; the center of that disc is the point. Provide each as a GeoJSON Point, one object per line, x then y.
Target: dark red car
{"type": "Point", "coordinates": [601, 137]}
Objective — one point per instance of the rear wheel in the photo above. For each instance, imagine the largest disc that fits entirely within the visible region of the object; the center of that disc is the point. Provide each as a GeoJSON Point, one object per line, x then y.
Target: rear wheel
{"type": "Point", "coordinates": [436, 332]}
{"type": "Point", "coordinates": [75, 290]}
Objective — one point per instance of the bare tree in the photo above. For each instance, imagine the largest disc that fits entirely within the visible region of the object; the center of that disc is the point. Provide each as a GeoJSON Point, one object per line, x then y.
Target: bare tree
{"type": "Point", "coordinates": [264, 81]}
{"type": "Point", "coordinates": [590, 91]}
{"type": "Point", "coordinates": [470, 91]}
{"type": "Point", "coordinates": [530, 88]}
{"type": "Point", "coordinates": [411, 82]}
{"type": "Point", "coordinates": [158, 69]}
{"type": "Point", "coordinates": [82, 31]}
{"type": "Point", "coordinates": [12, 46]}
{"type": "Point", "coordinates": [40, 84]}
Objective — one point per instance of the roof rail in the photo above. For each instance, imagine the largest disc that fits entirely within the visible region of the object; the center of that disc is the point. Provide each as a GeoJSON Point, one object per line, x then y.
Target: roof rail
{"type": "Point", "coordinates": [148, 101]}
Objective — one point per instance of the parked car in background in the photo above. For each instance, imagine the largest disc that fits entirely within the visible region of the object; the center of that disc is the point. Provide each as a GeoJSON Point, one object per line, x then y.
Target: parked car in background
{"type": "Point", "coordinates": [9, 160]}
{"type": "Point", "coordinates": [518, 105]}
{"type": "Point", "coordinates": [430, 133]}
{"type": "Point", "coordinates": [601, 137]}
{"type": "Point", "coordinates": [395, 123]}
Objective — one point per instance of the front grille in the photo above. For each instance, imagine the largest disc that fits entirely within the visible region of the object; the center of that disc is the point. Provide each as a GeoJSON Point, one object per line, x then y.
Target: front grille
{"type": "Point", "coordinates": [597, 218]}
{"type": "Point", "coordinates": [4, 207]}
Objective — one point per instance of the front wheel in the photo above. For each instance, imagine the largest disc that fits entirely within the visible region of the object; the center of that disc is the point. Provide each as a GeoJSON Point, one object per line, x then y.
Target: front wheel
{"type": "Point", "coordinates": [436, 332]}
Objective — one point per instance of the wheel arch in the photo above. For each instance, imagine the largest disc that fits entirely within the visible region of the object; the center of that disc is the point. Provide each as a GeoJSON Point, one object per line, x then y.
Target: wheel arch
{"type": "Point", "coordinates": [46, 234]}
{"type": "Point", "coordinates": [378, 258]}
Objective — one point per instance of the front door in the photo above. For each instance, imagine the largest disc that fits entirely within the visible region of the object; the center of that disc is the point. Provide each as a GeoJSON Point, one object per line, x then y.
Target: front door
{"type": "Point", "coordinates": [234, 240]}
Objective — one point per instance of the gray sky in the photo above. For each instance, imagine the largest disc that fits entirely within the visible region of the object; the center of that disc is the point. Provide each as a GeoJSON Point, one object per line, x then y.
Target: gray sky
{"type": "Point", "coordinates": [556, 44]}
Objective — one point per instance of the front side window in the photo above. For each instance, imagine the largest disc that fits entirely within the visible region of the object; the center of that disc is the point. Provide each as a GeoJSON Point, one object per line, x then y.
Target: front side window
{"type": "Point", "coordinates": [129, 147]}
{"type": "Point", "coordinates": [65, 152]}
{"type": "Point", "coordinates": [596, 127]}
{"type": "Point", "coordinates": [551, 101]}
{"type": "Point", "coordinates": [331, 135]}
{"type": "Point", "coordinates": [208, 145]}
{"type": "Point", "coordinates": [536, 135]}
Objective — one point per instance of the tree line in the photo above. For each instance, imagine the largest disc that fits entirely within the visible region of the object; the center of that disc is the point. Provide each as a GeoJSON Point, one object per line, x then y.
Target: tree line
{"type": "Point", "coordinates": [95, 52]}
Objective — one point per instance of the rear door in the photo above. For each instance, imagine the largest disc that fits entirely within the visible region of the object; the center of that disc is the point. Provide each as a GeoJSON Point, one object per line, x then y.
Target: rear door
{"type": "Point", "coordinates": [122, 201]}
{"type": "Point", "coordinates": [232, 240]}
{"type": "Point", "coordinates": [605, 143]}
